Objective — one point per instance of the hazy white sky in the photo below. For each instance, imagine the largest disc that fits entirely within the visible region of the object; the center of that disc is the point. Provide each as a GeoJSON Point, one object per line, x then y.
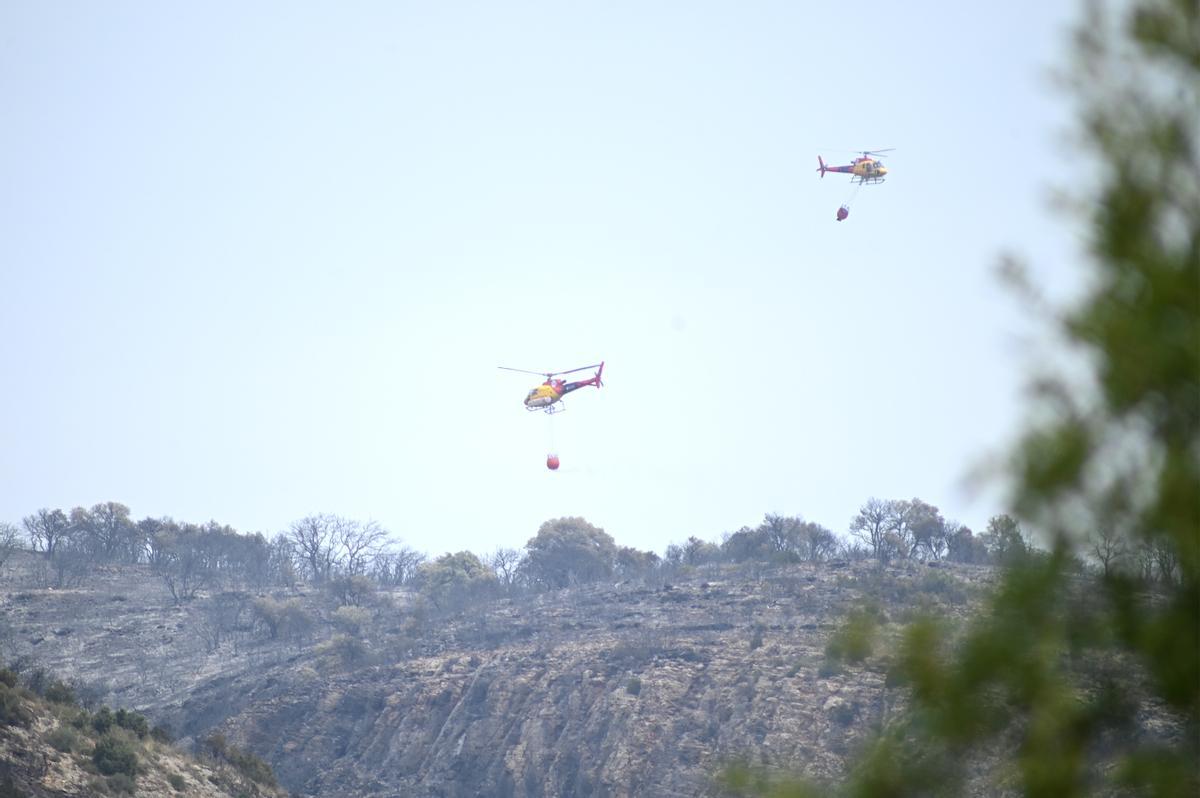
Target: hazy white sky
{"type": "Point", "coordinates": [261, 260]}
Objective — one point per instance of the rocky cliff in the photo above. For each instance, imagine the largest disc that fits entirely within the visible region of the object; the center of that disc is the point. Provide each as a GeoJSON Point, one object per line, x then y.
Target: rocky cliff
{"type": "Point", "coordinates": [606, 690]}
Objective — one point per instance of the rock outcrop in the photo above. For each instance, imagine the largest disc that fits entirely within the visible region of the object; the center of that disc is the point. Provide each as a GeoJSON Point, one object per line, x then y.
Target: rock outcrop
{"type": "Point", "coordinates": [606, 690]}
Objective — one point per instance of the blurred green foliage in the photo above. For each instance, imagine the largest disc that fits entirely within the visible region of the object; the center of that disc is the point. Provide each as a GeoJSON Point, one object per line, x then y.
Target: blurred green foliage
{"type": "Point", "coordinates": [854, 640]}
{"type": "Point", "coordinates": [1048, 691]}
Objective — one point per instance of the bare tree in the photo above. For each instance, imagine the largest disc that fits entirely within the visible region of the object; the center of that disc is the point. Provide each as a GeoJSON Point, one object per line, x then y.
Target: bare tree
{"type": "Point", "coordinates": [316, 540]}
{"type": "Point", "coordinates": [46, 529]}
{"type": "Point", "coordinates": [782, 533]}
{"type": "Point", "coordinates": [1166, 559]}
{"type": "Point", "coordinates": [817, 543]}
{"type": "Point", "coordinates": [853, 551]}
{"type": "Point", "coordinates": [358, 544]}
{"type": "Point", "coordinates": [505, 563]}
{"type": "Point", "coordinates": [396, 567]}
{"type": "Point", "coordinates": [70, 562]}
{"type": "Point", "coordinates": [221, 615]}
{"type": "Point", "coordinates": [871, 525]}
{"type": "Point", "coordinates": [10, 541]}
{"type": "Point", "coordinates": [1109, 546]}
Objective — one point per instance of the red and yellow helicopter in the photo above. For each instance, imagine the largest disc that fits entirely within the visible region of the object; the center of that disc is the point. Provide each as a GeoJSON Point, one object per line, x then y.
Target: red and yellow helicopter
{"type": "Point", "coordinates": [548, 396]}
{"type": "Point", "coordinates": [864, 169]}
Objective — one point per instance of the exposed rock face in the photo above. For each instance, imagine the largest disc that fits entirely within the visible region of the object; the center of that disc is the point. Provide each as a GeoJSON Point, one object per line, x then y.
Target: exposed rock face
{"type": "Point", "coordinates": [613, 690]}
{"type": "Point", "coordinates": [653, 707]}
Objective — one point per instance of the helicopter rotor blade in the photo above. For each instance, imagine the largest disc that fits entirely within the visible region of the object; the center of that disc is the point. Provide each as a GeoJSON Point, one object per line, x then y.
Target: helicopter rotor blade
{"type": "Point", "coordinates": [854, 152]}
{"type": "Point", "coordinates": [549, 374]}
{"type": "Point", "coordinates": [546, 374]}
{"type": "Point", "coordinates": [581, 368]}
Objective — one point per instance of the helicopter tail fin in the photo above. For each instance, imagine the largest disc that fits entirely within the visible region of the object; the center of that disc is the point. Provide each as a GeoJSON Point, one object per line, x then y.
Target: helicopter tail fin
{"type": "Point", "coordinates": [821, 168]}
{"type": "Point", "coordinates": [598, 373]}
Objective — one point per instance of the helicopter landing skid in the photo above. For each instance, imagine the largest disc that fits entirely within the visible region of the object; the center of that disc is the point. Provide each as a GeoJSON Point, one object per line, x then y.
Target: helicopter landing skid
{"type": "Point", "coordinates": [550, 410]}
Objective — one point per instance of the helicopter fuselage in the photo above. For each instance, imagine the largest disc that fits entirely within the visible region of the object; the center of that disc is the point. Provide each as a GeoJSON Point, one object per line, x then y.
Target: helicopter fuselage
{"type": "Point", "coordinates": [544, 395]}
{"type": "Point", "coordinates": [551, 391]}
{"type": "Point", "coordinates": [863, 170]}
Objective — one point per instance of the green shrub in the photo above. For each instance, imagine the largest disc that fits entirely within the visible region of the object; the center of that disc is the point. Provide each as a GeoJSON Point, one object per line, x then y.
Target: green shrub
{"type": "Point", "coordinates": [64, 738]}
{"type": "Point", "coordinates": [634, 686]}
{"type": "Point", "coordinates": [348, 650]}
{"type": "Point", "coordinates": [944, 586]}
{"type": "Point", "coordinates": [103, 720]}
{"type": "Point", "coordinates": [844, 714]}
{"type": "Point", "coordinates": [89, 696]}
{"type": "Point", "coordinates": [59, 693]}
{"type": "Point", "coordinates": [113, 755]}
{"type": "Point", "coordinates": [253, 768]}
{"type": "Point", "coordinates": [120, 783]}
{"type": "Point", "coordinates": [351, 620]}
{"type": "Point", "coordinates": [286, 620]}
{"type": "Point", "coordinates": [246, 763]}
{"type": "Point", "coordinates": [215, 746]}
{"type": "Point", "coordinates": [8, 677]}
{"type": "Point", "coordinates": [13, 711]}
{"type": "Point", "coordinates": [177, 782]}
{"type": "Point", "coordinates": [352, 590]}
{"type": "Point", "coordinates": [134, 722]}
{"type": "Point", "coordinates": [829, 668]}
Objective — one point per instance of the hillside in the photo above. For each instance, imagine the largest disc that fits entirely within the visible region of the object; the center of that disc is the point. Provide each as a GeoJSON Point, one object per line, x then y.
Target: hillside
{"type": "Point", "coordinates": [56, 749]}
{"type": "Point", "coordinates": [604, 689]}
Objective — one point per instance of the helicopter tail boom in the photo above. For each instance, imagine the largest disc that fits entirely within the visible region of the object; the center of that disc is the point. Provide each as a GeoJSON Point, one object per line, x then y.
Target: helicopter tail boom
{"type": "Point", "coordinates": [595, 380]}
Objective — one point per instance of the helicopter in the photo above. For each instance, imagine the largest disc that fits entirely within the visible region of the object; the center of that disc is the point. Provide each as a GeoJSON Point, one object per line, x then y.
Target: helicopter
{"type": "Point", "coordinates": [547, 397]}
{"type": "Point", "coordinates": [864, 169]}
